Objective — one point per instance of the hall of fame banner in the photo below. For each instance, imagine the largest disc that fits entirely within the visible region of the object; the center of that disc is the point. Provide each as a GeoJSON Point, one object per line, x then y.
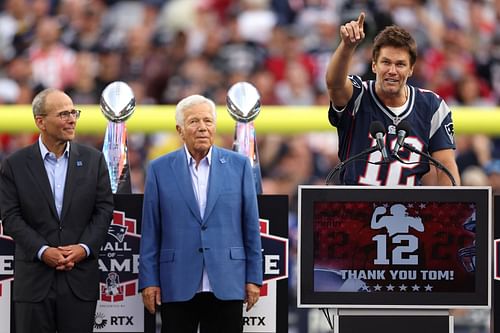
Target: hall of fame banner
{"type": "Point", "coordinates": [6, 277]}
{"type": "Point", "coordinates": [405, 247]}
{"type": "Point", "coordinates": [120, 307]}
{"type": "Point", "coordinates": [263, 316]}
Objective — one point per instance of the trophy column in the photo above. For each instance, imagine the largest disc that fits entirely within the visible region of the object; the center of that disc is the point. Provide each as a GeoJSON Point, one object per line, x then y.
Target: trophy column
{"type": "Point", "coordinates": [117, 104]}
{"type": "Point", "coordinates": [243, 105]}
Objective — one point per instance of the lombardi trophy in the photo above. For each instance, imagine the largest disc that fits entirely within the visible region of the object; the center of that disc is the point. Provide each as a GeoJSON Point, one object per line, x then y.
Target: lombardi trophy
{"type": "Point", "coordinates": [243, 105]}
{"type": "Point", "coordinates": [117, 104]}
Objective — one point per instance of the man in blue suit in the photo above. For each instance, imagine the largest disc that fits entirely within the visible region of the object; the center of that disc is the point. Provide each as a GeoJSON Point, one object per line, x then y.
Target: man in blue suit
{"type": "Point", "coordinates": [200, 250]}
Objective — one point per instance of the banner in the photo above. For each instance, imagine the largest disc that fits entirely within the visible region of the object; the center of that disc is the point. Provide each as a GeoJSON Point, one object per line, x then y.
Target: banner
{"type": "Point", "coordinates": [6, 277]}
{"type": "Point", "coordinates": [120, 307]}
{"type": "Point", "coordinates": [407, 247]}
{"type": "Point", "coordinates": [263, 316]}
{"type": "Point", "coordinates": [270, 314]}
{"type": "Point", "coordinates": [495, 313]}
{"type": "Point", "coordinates": [388, 247]}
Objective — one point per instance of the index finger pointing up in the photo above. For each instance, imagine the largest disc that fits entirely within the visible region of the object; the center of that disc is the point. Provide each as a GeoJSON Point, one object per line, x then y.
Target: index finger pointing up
{"type": "Point", "coordinates": [361, 20]}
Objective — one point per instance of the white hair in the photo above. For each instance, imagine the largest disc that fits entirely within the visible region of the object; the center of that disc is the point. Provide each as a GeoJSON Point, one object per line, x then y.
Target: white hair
{"type": "Point", "coordinates": [189, 102]}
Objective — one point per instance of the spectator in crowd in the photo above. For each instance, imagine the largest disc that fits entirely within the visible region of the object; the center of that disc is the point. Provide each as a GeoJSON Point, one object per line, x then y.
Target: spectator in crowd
{"type": "Point", "coordinates": [53, 63]}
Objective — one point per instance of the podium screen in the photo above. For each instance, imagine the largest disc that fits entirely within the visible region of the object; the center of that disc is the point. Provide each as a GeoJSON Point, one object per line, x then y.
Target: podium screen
{"type": "Point", "coordinates": [422, 247]}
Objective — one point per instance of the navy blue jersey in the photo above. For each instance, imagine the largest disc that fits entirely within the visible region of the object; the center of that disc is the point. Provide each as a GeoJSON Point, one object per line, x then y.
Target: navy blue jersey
{"type": "Point", "coordinates": [431, 130]}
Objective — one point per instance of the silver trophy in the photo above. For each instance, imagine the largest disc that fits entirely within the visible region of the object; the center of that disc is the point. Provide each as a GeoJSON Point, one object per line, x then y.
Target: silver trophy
{"type": "Point", "coordinates": [117, 104]}
{"type": "Point", "coordinates": [243, 105]}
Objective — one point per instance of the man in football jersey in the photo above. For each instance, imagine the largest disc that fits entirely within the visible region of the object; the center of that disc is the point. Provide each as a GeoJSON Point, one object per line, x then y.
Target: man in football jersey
{"type": "Point", "coordinates": [389, 100]}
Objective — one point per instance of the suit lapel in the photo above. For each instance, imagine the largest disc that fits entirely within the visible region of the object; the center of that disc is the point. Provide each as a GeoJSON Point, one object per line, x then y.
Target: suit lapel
{"type": "Point", "coordinates": [37, 168]}
{"type": "Point", "coordinates": [181, 174]}
{"type": "Point", "coordinates": [214, 182]}
{"type": "Point", "coordinates": [74, 162]}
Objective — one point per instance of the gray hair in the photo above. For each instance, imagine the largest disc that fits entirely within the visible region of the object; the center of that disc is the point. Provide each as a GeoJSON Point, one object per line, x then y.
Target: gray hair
{"type": "Point", "coordinates": [189, 102]}
{"type": "Point", "coordinates": [38, 104]}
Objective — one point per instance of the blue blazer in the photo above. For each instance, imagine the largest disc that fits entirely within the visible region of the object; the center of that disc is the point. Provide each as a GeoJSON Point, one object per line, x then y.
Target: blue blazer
{"type": "Point", "coordinates": [177, 242]}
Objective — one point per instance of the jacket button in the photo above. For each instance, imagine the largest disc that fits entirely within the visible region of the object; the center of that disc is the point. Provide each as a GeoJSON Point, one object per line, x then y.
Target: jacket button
{"type": "Point", "coordinates": [61, 228]}
{"type": "Point", "coordinates": [200, 250]}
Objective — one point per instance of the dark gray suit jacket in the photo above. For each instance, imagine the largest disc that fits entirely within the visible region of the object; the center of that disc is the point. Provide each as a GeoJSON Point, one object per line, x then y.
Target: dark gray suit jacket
{"type": "Point", "coordinates": [30, 217]}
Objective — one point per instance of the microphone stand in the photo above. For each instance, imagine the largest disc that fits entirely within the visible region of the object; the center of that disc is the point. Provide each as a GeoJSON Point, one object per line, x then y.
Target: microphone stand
{"type": "Point", "coordinates": [435, 162]}
{"type": "Point", "coordinates": [342, 164]}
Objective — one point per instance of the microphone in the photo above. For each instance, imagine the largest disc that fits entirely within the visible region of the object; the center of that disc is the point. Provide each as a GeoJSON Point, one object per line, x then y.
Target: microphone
{"type": "Point", "coordinates": [435, 162]}
{"type": "Point", "coordinates": [377, 132]}
{"type": "Point", "coordinates": [402, 130]}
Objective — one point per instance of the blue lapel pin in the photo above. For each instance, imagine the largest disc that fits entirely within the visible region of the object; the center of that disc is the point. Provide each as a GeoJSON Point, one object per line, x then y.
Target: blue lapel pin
{"type": "Point", "coordinates": [222, 160]}
{"type": "Point", "coordinates": [79, 163]}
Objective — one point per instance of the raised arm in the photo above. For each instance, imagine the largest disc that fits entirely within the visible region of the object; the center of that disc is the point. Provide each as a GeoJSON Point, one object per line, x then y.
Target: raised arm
{"type": "Point", "coordinates": [339, 87]}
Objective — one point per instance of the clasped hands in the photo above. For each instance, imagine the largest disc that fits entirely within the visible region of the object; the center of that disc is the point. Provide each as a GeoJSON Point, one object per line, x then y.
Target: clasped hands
{"type": "Point", "coordinates": [64, 258]}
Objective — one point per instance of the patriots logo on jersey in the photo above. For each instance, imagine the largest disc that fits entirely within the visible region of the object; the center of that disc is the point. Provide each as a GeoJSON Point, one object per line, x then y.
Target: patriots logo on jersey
{"type": "Point", "coordinates": [450, 131]}
{"type": "Point", "coordinates": [354, 82]}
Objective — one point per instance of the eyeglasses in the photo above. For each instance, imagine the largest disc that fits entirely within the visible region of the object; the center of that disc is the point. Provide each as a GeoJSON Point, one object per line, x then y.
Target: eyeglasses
{"type": "Point", "coordinates": [67, 114]}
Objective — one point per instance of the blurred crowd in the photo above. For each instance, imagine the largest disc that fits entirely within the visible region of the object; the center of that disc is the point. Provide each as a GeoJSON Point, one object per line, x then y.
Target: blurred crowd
{"type": "Point", "coordinates": [168, 49]}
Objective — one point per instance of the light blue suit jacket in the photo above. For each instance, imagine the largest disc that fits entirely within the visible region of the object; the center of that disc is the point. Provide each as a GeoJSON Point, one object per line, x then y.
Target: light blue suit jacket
{"type": "Point", "coordinates": [176, 241]}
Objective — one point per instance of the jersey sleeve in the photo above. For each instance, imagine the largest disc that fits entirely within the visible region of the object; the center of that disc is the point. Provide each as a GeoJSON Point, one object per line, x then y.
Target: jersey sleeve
{"type": "Point", "coordinates": [335, 115]}
{"type": "Point", "coordinates": [441, 133]}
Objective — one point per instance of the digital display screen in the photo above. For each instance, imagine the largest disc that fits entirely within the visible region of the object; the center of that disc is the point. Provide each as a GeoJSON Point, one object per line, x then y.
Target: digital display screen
{"type": "Point", "coordinates": [403, 246]}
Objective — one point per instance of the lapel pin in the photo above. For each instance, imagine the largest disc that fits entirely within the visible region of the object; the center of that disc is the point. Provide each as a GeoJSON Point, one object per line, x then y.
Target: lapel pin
{"type": "Point", "coordinates": [222, 160]}
{"type": "Point", "coordinates": [79, 163]}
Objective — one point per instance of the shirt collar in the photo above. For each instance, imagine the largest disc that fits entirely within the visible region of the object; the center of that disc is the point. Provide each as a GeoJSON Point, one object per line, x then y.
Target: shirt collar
{"type": "Point", "coordinates": [190, 158]}
{"type": "Point", "coordinates": [44, 151]}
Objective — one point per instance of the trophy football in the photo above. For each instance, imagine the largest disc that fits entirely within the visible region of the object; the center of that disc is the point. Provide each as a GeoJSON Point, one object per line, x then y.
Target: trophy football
{"type": "Point", "coordinates": [243, 105]}
{"type": "Point", "coordinates": [117, 104]}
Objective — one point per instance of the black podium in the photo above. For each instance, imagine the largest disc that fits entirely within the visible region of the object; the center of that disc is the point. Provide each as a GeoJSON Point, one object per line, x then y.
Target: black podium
{"type": "Point", "coordinates": [394, 258]}
{"type": "Point", "coordinates": [387, 321]}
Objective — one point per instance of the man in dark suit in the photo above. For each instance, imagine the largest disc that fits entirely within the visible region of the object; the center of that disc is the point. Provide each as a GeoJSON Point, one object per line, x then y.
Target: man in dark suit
{"type": "Point", "coordinates": [200, 250]}
{"type": "Point", "coordinates": [57, 204]}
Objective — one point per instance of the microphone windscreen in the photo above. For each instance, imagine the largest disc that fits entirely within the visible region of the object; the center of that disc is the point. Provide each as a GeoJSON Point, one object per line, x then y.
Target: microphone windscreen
{"type": "Point", "coordinates": [376, 127]}
{"type": "Point", "coordinates": [405, 126]}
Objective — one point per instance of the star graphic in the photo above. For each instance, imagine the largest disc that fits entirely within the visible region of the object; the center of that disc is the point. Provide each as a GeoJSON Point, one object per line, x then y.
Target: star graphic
{"type": "Point", "coordinates": [428, 287]}
{"type": "Point", "coordinates": [402, 287]}
{"type": "Point", "coordinates": [410, 205]}
{"type": "Point", "coordinates": [366, 288]}
{"type": "Point", "coordinates": [377, 287]}
{"type": "Point", "coordinates": [415, 287]}
{"type": "Point", "coordinates": [390, 287]}
{"type": "Point", "coordinates": [422, 206]}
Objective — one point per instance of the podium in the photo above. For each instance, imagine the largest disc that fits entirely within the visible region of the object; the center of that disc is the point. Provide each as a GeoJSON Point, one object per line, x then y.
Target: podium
{"type": "Point", "coordinates": [394, 258]}
{"type": "Point", "coordinates": [392, 321]}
